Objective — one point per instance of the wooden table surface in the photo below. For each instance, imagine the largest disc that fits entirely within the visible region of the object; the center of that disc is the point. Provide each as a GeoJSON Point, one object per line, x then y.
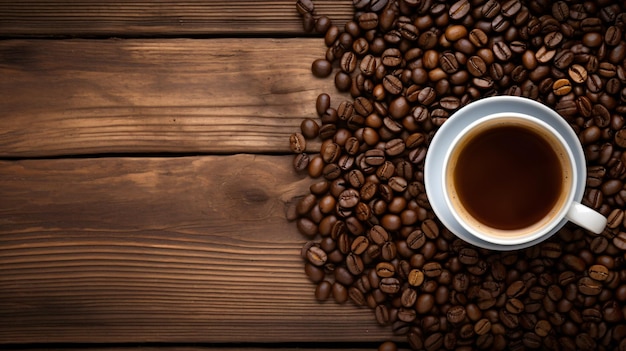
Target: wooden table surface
{"type": "Point", "coordinates": [145, 172]}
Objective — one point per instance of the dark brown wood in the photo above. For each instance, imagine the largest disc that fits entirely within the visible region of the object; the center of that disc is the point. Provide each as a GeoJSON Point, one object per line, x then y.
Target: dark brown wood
{"type": "Point", "coordinates": [160, 18]}
{"type": "Point", "coordinates": [273, 347]}
{"type": "Point", "coordinates": [73, 97]}
{"type": "Point", "coordinates": [181, 250]}
{"type": "Point", "coordinates": [192, 249]}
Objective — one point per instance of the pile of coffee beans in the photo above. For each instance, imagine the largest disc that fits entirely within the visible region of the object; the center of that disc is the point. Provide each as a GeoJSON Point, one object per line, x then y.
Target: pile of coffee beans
{"type": "Point", "coordinates": [373, 238]}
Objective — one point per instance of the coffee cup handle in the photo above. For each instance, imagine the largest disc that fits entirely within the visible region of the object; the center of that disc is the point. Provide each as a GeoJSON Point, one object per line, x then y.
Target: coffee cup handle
{"type": "Point", "coordinates": [586, 217]}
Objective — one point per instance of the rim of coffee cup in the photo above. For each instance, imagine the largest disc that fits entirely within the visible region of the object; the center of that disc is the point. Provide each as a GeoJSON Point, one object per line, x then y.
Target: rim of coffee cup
{"type": "Point", "coordinates": [519, 239]}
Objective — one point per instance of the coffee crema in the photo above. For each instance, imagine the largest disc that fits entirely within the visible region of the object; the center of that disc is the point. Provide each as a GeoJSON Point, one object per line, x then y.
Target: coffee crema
{"type": "Point", "coordinates": [508, 176]}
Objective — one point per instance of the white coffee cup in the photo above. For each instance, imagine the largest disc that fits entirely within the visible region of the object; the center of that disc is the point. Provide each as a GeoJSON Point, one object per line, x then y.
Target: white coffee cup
{"type": "Point", "coordinates": [470, 196]}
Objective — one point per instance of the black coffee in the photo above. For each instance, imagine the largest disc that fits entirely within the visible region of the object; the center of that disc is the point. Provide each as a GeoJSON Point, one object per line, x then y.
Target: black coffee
{"type": "Point", "coordinates": [508, 177]}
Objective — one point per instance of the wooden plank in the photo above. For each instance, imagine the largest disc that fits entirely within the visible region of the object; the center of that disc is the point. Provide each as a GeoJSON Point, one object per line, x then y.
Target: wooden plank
{"type": "Point", "coordinates": [165, 18]}
{"type": "Point", "coordinates": [72, 97]}
{"type": "Point", "coordinates": [193, 249]}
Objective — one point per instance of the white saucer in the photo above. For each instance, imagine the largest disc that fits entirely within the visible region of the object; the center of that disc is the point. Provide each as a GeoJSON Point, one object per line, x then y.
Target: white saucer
{"type": "Point", "coordinates": [462, 118]}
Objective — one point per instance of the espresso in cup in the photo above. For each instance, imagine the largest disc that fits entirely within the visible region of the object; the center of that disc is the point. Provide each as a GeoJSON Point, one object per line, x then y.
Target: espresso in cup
{"type": "Point", "coordinates": [510, 179]}
{"type": "Point", "coordinates": [508, 176]}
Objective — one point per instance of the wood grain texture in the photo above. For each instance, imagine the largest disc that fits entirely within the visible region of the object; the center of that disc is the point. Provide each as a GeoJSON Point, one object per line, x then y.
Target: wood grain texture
{"type": "Point", "coordinates": [192, 249]}
{"type": "Point", "coordinates": [221, 347]}
{"type": "Point", "coordinates": [72, 97]}
{"type": "Point", "coordinates": [160, 18]}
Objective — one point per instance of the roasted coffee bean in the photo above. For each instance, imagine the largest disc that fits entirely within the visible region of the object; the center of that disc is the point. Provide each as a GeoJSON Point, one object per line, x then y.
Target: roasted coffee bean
{"type": "Point", "coordinates": [301, 162]}
{"type": "Point", "coordinates": [408, 31]}
{"type": "Point", "coordinates": [330, 152]}
{"type": "Point", "coordinates": [574, 262]}
{"type": "Point", "coordinates": [407, 315]}
{"type": "Point", "coordinates": [348, 62]}
{"type": "Point", "coordinates": [385, 270]}
{"type": "Point", "coordinates": [577, 73]}
{"type": "Point", "coordinates": [349, 198]}
{"type": "Point", "coordinates": [510, 8]}
{"type": "Point", "coordinates": [598, 272]}
{"type": "Point", "coordinates": [620, 241]}
{"type": "Point", "coordinates": [509, 320]}
{"type": "Point", "coordinates": [323, 290]}
{"type": "Point", "coordinates": [616, 217]}
{"type": "Point", "coordinates": [382, 314]}
{"type": "Point", "coordinates": [490, 9]}
{"type": "Point", "coordinates": [430, 229]}
{"type": "Point", "coordinates": [389, 285]}
{"type": "Point", "coordinates": [427, 40]}
{"type": "Point", "coordinates": [306, 204]}
{"type": "Point", "coordinates": [321, 68]}
{"type": "Point", "coordinates": [531, 340]}
{"type": "Point", "coordinates": [620, 138]}
{"type": "Point", "coordinates": [341, 273]}
{"type": "Point", "coordinates": [516, 289]}
{"type": "Point", "coordinates": [450, 102]}
{"type": "Point", "coordinates": [500, 23]}
{"type": "Point", "coordinates": [414, 140]}
{"type": "Point", "coordinates": [468, 256]}
{"type": "Point", "coordinates": [476, 66]}
{"type": "Point", "coordinates": [388, 250]}
{"type": "Point", "coordinates": [613, 35]}
{"type": "Point", "coordinates": [425, 303]}
{"type": "Point", "coordinates": [395, 147]}
{"type": "Point", "coordinates": [408, 298]}
{"type": "Point", "coordinates": [433, 342]}
{"type": "Point", "coordinates": [456, 314]}
{"type": "Point", "coordinates": [561, 87]}
{"type": "Point", "coordinates": [589, 286]}
{"type": "Point", "coordinates": [368, 20]}
{"type": "Point", "coordinates": [355, 264]}
{"type": "Point", "coordinates": [368, 65]}
{"type": "Point", "coordinates": [427, 96]}
{"type": "Point", "coordinates": [356, 296]}
{"type": "Point", "coordinates": [297, 143]}
{"type": "Point", "coordinates": [514, 306]}
{"type": "Point", "coordinates": [397, 184]}
{"type": "Point", "coordinates": [343, 81]}
{"type": "Point", "coordinates": [416, 277]}
{"type": "Point", "coordinates": [359, 245]}
{"type": "Point", "coordinates": [617, 53]}
{"type": "Point", "coordinates": [449, 63]}
{"type": "Point", "coordinates": [416, 239]}
{"type": "Point", "coordinates": [563, 59]}
{"type": "Point", "coordinates": [501, 51]}
{"type": "Point", "coordinates": [374, 157]}
{"type": "Point", "coordinates": [478, 37]}
{"type": "Point", "coordinates": [316, 256]}
{"type": "Point", "coordinates": [392, 84]}
{"type": "Point", "coordinates": [560, 11]}
{"type": "Point", "coordinates": [305, 6]}
{"type": "Point", "coordinates": [553, 39]}
{"type": "Point", "coordinates": [432, 269]}
{"type": "Point", "coordinates": [307, 227]}
{"type": "Point", "coordinates": [331, 171]}
{"type": "Point", "coordinates": [391, 57]}
{"type": "Point", "coordinates": [376, 6]}
{"type": "Point", "coordinates": [378, 235]}
{"type": "Point", "coordinates": [455, 32]}
{"type": "Point", "coordinates": [482, 326]}
{"type": "Point", "coordinates": [544, 54]}
{"type": "Point", "coordinates": [459, 9]}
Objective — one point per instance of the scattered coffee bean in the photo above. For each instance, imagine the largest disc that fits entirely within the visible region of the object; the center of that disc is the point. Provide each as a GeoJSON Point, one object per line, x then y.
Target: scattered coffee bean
{"type": "Point", "coordinates": [321, 68]}
{"type": "Point", "coordinates": [297, 143]}
{"type": "Point", "coordinates": [408, 66]}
